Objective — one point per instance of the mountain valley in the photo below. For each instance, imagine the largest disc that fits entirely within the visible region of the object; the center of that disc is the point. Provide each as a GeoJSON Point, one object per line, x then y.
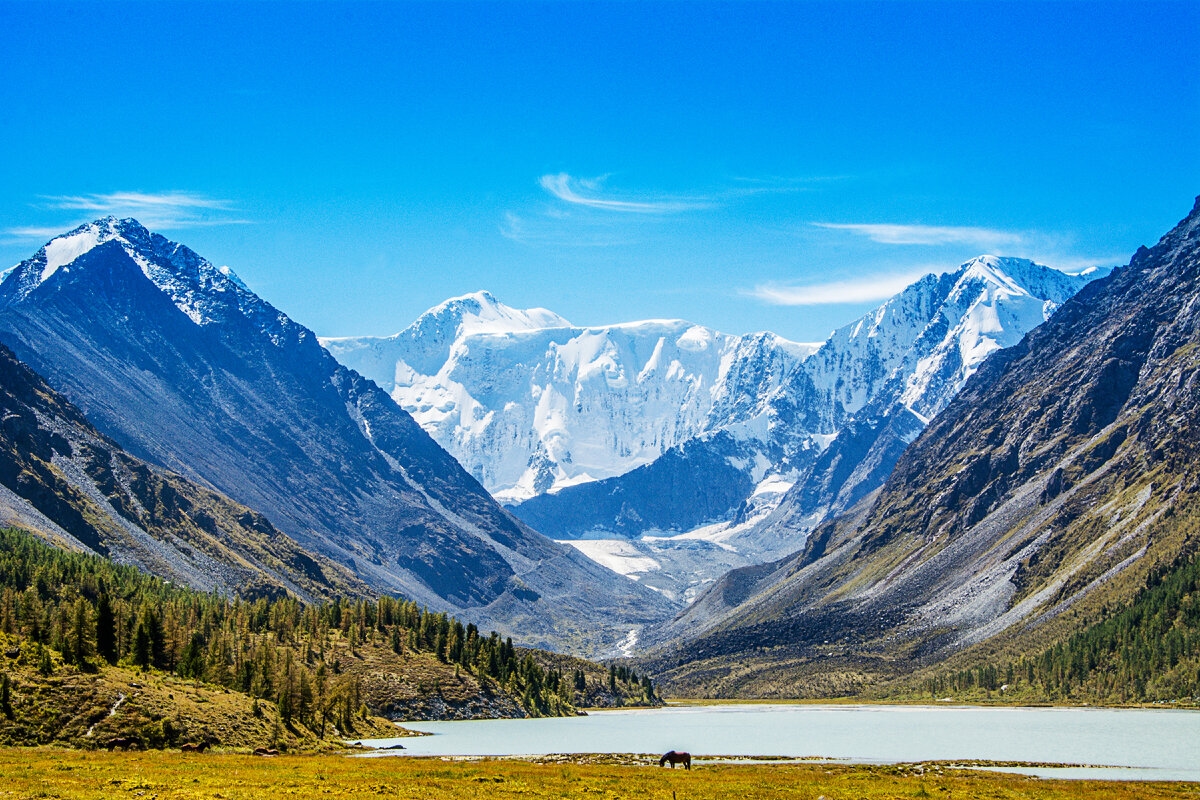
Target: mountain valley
{"type": "Point", "coordinates": [1057, 488]}
{"type": "Point", "coordinates": [659, 448]}
{"type": "Point", "coordinates": [185, 368]}
{"type": "Point", "coordinates": [994, 461]}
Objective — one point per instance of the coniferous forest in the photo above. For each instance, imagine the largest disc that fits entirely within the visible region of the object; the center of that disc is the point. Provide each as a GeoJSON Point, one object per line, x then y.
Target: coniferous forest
{"type": "Point", "coordinates": [1147, 651]}
{"type": "Point", "coordinates": [323, 668]}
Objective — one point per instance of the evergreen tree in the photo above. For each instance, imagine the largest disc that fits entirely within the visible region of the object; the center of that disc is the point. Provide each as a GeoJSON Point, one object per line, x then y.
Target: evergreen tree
{"type": "Point", "coordinates": [106, 630]}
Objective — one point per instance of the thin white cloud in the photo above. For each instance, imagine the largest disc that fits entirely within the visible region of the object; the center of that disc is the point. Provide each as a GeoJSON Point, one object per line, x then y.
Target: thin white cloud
{"type": "Point", "coordinates": [33, 232]}
{"type": "Point", "coordinates": [879, 287]}
{"type": "Point", "coordinates": [134, 200]}
{"type": "Point", "coordinates": [984, 238]}
{"type": "Point", "coordinates": [550, 231]}
{"type": "Point", "coordinates": [156, 210]}
{"type": "Point", "coordinates": [1072, 264]}
{"type": "Point", "coordinates": [584, 192]}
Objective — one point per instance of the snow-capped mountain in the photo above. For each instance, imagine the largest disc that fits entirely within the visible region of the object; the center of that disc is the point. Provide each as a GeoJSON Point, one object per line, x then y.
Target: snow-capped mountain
{"type": "Point", "coordinates": [919, 347]}
{"type": "Point", "coordinates": [1057, 486]}
{"type": "Point", "coordinates": [186, 368]}
{"type": "Point", "coordinates": [856, 402]}
{"type": "Point", "coordinates": [654, 430]}
{"type": "Point", "coordinates": [205, 293]}
{"type": "Point", "coordinates": [529, 403]}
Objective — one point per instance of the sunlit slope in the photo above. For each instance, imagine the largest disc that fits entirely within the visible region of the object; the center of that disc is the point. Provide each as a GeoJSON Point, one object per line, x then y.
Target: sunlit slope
{"type": "Point", "coordinates": [1049, 489]}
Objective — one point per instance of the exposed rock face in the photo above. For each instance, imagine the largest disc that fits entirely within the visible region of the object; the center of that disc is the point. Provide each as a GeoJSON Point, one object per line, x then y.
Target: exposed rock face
{"type": "Point", "coordinates": [179, 362]}
{"type": "Point", "coordinates": [1055, 480]}
{"type": "Point", "coordinates": [62, 479]}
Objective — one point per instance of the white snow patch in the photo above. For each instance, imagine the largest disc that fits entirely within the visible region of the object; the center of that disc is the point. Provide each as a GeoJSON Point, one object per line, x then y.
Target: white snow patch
{"type": "Point", "coordinates": [618, 555]}
{"type": "Point", "coordinates": [717, 533]}
{"type": "Point", "coordinates": [696, 339]}
{"type": "Point", "coordinates": [233, 276]}
{"type": "Point", "coordinates": [773, 484]}
{"type": "Point", "coordinates": [823, 440]}
{"type": "Point", "coordinates": [628, 644]}
{"type": "Point", "coordinates": [65, 249]}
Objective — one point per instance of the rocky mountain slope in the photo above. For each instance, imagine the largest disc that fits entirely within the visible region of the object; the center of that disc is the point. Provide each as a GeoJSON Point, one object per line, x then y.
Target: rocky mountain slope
{"type": "Point", "coordinates": [181, 364]}
{"type": "Point", "coordinates": [76, 488]}
{"type": "Point", "coordinates": [1042, 497]}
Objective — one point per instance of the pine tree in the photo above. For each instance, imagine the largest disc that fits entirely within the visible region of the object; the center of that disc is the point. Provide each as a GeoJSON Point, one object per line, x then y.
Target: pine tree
{"type": "Point", "coordinates": [106, 630]}
{"type": "Point", "coordinates": [6, 695]}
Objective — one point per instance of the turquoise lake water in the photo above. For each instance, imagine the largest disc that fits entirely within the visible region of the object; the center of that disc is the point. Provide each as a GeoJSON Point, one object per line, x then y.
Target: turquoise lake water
{"type": "Point", "coordinates": [1150, 744]}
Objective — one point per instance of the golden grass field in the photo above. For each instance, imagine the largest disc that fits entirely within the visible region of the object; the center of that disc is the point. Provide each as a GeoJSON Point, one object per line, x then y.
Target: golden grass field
{"type": "Point", "coordinates": [159, 775]}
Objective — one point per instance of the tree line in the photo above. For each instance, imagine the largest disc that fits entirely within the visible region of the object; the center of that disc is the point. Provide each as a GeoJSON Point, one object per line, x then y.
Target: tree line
{"type": "Point", "coordinates": [87, 611]}
{"type": "Point", "coordinates": [1145, 652]}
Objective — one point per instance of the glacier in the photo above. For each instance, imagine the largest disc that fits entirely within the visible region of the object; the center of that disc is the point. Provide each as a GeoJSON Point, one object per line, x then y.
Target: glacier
{"type": "Point", "coordinates": [530, 404]}
{"type": "Point", "coordinates": [569, 425]}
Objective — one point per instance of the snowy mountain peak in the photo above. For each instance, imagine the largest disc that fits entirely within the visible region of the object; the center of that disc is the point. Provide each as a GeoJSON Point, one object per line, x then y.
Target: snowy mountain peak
{"type": "Point", "coordinates": [1020, 276]}
{"type": "Point", "coordinates": [205, 293]}
{"type": "Point", "coordinates": [998, 271]}
{"type": "Point", "coordinates": [480, 312]}
{"type": "Point", "coordinates": [529, 404]}
{"type": "Point", "coordinates": [62, 250]}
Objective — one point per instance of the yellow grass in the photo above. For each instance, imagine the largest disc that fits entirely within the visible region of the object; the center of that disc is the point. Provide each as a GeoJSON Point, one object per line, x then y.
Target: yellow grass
{"type": "Point", "coordinates": [159, 775]}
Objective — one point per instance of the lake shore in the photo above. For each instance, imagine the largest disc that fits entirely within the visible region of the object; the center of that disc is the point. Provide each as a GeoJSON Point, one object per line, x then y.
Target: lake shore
{"type": "Point", "coordinates": [966, 702]}
{"type": "Point", "coordinates": [1156, 743]}
{"type": "Point", "coordinates": [89, 775]}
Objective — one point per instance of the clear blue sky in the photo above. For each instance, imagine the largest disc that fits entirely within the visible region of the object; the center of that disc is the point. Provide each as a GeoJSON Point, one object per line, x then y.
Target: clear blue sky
{"type": "Point", "coordinates": [747, 166]}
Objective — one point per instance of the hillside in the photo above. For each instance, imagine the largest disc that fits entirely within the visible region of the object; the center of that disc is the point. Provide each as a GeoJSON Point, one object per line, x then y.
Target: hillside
{"type": "Point", "coordinates": [93, 650]}
{"type": "Point", "coordinates": [1034, 507]}
{"type": "Point", "coordinates": [79, 490]}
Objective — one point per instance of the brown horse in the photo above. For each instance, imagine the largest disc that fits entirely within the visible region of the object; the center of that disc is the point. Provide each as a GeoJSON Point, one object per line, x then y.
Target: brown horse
{"type": "Point", "coordinates": [123, 743]}
{"type": "Point", "coordinates": [676, 758]}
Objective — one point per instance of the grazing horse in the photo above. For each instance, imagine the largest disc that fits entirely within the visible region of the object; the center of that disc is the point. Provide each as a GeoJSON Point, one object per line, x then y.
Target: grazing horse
{"type": "Point", "coordinates": [676, 758]}
{"type": "Point", "coordinates": [123, 743]}
{"type": "Point", "coordinates": [192, 747]}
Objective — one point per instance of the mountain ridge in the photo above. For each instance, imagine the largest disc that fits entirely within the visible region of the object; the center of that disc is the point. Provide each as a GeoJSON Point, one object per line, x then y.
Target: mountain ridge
{"type": "Point", "coordinates": [187, 369]}
{"type": "Point", "coordinates": [1044, 493]}
{"type": "Point", "coordinates": [75, 488]}
{"type": "Point", "coordinates": [814, 438]}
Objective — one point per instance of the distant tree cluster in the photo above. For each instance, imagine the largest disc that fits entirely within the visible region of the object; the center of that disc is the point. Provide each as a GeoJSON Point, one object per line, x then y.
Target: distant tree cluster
{"type": "Point", "coordinates": [92, 611]}
{"type": "Point", "coordinates": [1147, 651]}
{"type": "Point", "coordinates": [619, 675]}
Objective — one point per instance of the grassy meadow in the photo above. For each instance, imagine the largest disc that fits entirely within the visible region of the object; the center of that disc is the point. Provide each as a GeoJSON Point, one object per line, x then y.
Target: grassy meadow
{"type": "Point", "coordinates": [159, 775]}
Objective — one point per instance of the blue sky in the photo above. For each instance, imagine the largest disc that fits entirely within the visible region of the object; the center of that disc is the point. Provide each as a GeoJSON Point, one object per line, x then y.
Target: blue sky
{"type": "Point", "coordinates": [776, 166]}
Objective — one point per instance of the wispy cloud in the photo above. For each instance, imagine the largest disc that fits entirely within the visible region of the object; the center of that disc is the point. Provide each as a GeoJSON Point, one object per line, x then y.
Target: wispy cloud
{"type": "Point", "coordinates": [135, 200]}
{"type": "Point", "coordinates": [171, 210]}
{"type": "Point", "coordinates": [33, 232]}
{"type": "Point", "coordinates": [1072, 264]}
{"type": "Point", "coordinates": [870, 289]}
{"type": "Point", "coordinates": [549, 230]}
{"type": "Point", "coordinates": [1054, 250]}
{"type": "Point", "coordinates": [986, 238]}
{"type": "Point", "coordinates": [586, 192]}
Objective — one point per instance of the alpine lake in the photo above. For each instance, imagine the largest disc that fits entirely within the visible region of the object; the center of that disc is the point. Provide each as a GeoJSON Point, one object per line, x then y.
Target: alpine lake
{"type": "Point", "coordinates": [1084, 743]}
